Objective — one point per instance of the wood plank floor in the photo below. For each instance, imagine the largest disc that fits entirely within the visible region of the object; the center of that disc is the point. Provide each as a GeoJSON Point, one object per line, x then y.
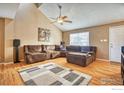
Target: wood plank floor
{"type": "Point", "coordinates": [103, 73]}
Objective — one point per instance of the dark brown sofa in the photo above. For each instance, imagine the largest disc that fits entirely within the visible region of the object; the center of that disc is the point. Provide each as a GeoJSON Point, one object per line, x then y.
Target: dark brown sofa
{"type": "Point", "coordinates": [81, 55]}
{"type": "Point", "coordinates": [81, 59]}
{"type": "Point", "coordinates": [34, 53]}
{"type": "Point", "coordinates": [83, 49]}
{"type": "Point", "coordinates": [51, 51]}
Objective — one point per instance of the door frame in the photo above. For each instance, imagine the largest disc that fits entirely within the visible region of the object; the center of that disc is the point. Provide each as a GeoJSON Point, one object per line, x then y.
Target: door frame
{"type": "Point", "coordinates": [109, 45]}
{"type": "Point", "coordinates": [109, 41]}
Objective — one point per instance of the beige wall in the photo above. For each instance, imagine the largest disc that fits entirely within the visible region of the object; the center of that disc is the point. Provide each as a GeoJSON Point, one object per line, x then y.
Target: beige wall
{"type": "Point", "coordinates": [96, 34]}
{"type": "Point", "coordinates": [27, 21]}
{"type": "Point", "coordinates": [2, 21]}
{"type": "Point", "coordinates": [25, 27]}
{"type": "Point", "coordinates": [8, 39]}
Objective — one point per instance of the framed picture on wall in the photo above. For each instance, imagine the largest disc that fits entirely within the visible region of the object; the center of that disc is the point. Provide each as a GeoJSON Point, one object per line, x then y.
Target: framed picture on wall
{"type": "Point", "coordinates": [43, 34]}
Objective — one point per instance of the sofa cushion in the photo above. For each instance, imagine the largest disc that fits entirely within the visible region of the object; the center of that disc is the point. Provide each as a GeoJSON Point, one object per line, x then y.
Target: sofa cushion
{"type": "Point", "coordinates": [73, 48]}
{"type": "Point", "coordinates": [57, 48]}
{"type": "Point", "coordinates": [85, 49]}
{"type": "Point", "coordinates": [81, 54]}
{"type": "Point", "coordinates": [48, 47]}
{"type": "Point", "coordinates": [35, 57]}
{"type": "Point", "coordinates": [34, 48]}
{"type": "Point", "coordinates": [53, 54]}
{"type": "Point", "coordinates": [36, 53]}
{"type": "Point", "coordinates": [51, 47]}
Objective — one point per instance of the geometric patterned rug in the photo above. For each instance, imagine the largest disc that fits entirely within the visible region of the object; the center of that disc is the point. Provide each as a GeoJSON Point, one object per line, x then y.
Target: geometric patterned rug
{"type": "Point", "coordinates": [53, 74]}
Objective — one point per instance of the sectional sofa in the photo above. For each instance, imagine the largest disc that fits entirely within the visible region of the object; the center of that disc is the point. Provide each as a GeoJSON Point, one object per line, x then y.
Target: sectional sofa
{"type": "Point", "coordinates": [80, 55]}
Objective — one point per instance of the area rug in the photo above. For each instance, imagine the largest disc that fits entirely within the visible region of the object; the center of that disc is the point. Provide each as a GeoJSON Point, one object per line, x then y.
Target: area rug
{"type": "Point", "coordinates": [53, 74]}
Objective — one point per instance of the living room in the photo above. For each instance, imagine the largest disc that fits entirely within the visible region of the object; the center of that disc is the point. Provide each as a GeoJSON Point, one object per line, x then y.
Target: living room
{"type": "Point", "coordinates": [74, 49]}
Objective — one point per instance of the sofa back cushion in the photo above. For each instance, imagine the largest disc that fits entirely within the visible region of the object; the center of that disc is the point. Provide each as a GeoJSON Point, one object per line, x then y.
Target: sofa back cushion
{"type": "Point", "coordinates": [57, 48]}
{"type": "Point", "coordinates": [33, 48]}
{"type": "Point", "coordinates": [93, 48]}
{"type": "Point", "coordinates": [73, 48]}
{"type": "Point", "coordinates": [88, 49]}
{"type": "Point", "coordinates": [83, 49]}
{"type": "Point", "coordinates": [48, 47]}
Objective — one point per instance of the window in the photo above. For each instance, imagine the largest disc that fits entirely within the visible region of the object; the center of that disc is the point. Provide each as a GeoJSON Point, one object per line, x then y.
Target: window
{"type": "Point", "coordinates": [79, 39]}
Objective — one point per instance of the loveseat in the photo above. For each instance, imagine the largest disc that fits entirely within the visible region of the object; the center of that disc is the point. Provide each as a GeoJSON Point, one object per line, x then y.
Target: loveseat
{"type": "Point", "coordinates": [36, 53]}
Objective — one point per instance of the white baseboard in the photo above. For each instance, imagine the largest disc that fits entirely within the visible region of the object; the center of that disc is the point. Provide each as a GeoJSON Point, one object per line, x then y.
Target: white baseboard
{"type": "Point", "coordinates": [102, 59]}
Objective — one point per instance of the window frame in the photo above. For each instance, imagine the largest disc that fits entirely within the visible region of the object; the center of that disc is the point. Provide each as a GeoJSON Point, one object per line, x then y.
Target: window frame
{"type": "Point", "coordinates": [80, 42]}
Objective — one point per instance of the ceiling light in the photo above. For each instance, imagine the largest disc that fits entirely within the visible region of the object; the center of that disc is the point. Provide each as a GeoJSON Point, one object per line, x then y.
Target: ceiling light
{"type": "Point", "coordinates": [60, 21]}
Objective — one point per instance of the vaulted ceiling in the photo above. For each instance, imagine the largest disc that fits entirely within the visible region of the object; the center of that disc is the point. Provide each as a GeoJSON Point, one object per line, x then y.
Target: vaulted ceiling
{"type": "Point", "coordinates": [8, 10]}
{"type": "Point", "coordinates": [82, 14]}
{"type": "Point", "coordinates": [85, 15]}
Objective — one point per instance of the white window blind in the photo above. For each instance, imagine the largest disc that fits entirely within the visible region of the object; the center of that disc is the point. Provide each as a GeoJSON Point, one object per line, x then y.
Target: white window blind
{"type": "Point", "coordinates": [79, 39]}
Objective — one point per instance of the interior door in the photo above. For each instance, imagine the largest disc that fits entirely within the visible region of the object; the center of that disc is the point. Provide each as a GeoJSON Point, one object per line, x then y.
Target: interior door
{"type": "Point", "coordinates": [116, 40]}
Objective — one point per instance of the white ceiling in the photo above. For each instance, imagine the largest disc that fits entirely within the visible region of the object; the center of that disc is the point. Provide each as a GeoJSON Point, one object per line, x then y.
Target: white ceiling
{"type": "Point", "coordinates": [8, 10]}
{"type": "Point", "coordinates": [85, 15]}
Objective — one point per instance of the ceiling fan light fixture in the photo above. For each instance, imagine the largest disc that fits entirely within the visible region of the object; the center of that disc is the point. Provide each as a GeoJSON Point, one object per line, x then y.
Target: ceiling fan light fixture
{"type": "Point", "coordinates": [60, 21]}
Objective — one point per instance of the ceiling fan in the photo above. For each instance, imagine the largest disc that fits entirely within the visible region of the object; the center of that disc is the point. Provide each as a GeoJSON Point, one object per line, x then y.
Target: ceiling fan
{"type": "Point", "coordinates": [61, 19]}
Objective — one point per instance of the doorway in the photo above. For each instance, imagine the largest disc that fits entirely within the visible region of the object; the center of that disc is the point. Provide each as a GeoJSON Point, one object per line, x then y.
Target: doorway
{"type": "Point", "coordinates": [116, 40]}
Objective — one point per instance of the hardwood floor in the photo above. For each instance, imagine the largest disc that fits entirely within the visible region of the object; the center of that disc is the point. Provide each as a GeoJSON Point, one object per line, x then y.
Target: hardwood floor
{"type": "Point", "coordinates": [103, 73]}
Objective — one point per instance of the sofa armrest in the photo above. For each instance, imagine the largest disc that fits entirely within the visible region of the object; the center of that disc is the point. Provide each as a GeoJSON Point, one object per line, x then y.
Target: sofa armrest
{"type": "Point", "coordinates": [90, 52]}
{"type": "Point", "coordinates": [28, 53]}
{"type": "Point", "coordinates": [44, 51]}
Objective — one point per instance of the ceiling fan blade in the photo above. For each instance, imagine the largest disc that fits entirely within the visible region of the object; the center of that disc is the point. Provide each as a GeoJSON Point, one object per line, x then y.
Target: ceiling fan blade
{"type": "Point", "coordinates": [68, 21]}
{"type": "Point", "coordinates": [54, 22]}
{"type": "Point", "coordinates": [52, 18]}
{"type": "Point", "coordinates": [64, 17]}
